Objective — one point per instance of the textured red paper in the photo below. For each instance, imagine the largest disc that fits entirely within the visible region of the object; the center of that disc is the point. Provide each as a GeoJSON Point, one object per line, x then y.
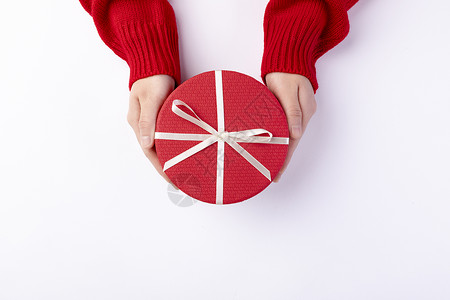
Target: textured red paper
{"type": "Point", "coordinates": [248, 104]}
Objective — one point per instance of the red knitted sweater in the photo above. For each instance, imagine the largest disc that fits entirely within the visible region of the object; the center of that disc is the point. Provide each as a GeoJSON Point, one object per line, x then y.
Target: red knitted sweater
{"type": "Point", "coordinates": [296, 33]}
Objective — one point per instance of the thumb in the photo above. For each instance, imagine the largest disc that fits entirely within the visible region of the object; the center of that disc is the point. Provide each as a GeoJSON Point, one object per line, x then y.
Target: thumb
{"type": "Point", "coordinates": [294, 115]}
{"type": "Point", "coordinates": [147, 121]}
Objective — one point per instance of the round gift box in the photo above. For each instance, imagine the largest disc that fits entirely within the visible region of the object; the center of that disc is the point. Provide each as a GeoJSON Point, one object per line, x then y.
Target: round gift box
{"type": "Point", "coordinates": [246, 104]}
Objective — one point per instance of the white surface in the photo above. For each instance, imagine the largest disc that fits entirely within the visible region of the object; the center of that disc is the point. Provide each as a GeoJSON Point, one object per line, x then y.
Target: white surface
{"type": "Point", "coordinates": [362, 212]}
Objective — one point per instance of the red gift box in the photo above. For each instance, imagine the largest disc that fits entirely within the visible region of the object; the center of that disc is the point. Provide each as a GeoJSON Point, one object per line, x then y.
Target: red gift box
{"type": "Point", "coordinates": [221, 137]}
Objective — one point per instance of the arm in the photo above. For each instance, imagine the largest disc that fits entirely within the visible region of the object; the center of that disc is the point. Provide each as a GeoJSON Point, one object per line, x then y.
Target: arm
{"type": "Point", "coordinates": [144, 34]}
{"type": "Point", "coordinates": [296, 34]}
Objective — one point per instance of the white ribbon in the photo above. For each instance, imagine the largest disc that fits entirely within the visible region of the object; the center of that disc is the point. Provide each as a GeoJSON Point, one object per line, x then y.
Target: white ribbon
{"type": "Point", "coordinates": [220, 136]}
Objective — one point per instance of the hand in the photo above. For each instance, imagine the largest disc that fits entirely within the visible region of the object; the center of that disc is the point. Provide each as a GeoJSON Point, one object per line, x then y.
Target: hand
{"type": "Point", "coordinates": [296, 95]}
{"type": "Point", "coordinates": [146, 97]}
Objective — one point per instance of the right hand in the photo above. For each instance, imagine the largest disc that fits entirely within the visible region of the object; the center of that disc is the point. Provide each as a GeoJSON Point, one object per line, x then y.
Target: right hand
{"type": "Point", "coordinates": [146, 98]}
{"type": "Point", "coordinates": [296, 95]}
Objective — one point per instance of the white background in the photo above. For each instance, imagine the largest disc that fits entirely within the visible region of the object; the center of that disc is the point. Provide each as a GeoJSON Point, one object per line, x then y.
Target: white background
{"type": "Point", "coordinates": [361, 213]}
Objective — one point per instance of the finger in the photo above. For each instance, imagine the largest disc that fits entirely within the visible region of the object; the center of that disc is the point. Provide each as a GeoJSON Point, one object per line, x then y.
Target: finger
{"type": "Point", "coordinates": [294, 115]}
{"type": "Point", "coordinates": [147, 121]}
{"type": "Point", "coordinates": [146, 133]}
{"type": "Point", "coordinates": [308, 105]}
{"type": "Point", "coordinates": [291, 106]}
{"type": "Point", "coordinates": [153, 158]}
{"type": "Point", "coordinates": [134, 111]}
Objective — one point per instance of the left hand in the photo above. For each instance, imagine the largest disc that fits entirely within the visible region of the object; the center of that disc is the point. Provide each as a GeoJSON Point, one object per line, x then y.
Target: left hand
{"type": "Point", "coordinates": [296, 95]}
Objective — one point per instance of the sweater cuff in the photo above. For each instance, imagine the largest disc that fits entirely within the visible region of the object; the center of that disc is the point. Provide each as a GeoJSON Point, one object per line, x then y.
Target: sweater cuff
{"type": "Point", "coordinates": [145, 36]}
{"type": "Point", "coordinates": [151, 49]}
{"type": "Point", "coordinates": [291, 36]}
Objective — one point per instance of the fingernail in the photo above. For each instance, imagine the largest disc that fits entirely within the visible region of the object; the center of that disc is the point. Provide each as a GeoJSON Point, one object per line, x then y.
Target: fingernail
{"type": "Point", "coordinates": [145, 141]}
{"type": "Point", "coordinates": [277, 179]}
{"type": "Point", "coordinates": [296, 131]}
